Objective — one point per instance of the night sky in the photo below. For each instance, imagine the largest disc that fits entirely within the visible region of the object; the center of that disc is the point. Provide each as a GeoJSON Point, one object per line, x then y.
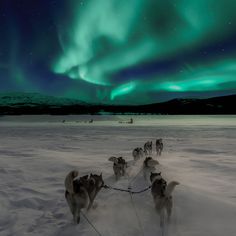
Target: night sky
{"type": "Point", "coordinates": [118, 51]}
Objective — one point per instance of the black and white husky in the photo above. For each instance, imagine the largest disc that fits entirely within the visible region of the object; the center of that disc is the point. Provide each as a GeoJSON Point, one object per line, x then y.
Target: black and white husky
{"type": "Point", "coordinates": [119, 166]}
{"type": "Point", "coordinates": [159, 146]}
{"type": "Point", "coordinates": [148, 148]}
{"type": "Point", "coordinates": [162, 195]}
{"type": "Point", "coordinates": [81, 191]}
{"type": "Point", "coordinates": [138, 153]}
{"type": "Point", "coordinates": [149, 165]}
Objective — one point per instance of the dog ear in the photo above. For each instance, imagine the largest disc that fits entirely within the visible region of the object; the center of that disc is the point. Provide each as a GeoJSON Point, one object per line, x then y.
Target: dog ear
{"type": "Point", "coordinates": [113, 159]}
{"type": "Point", "coordinates": [85, 177]}
{"type": "Point", "coordinates": [101, 174]}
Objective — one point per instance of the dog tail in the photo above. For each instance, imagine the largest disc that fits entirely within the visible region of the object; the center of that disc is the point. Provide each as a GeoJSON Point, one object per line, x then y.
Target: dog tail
{"type": "Point", "coordinates": [170, 188]}
{"type": "Point", "coordinates": [69, 180]}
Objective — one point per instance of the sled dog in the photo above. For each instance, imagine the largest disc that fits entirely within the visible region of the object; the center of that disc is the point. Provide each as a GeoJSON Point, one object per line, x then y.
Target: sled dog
{"type": "Point", "coordinates": [81, 191]}
{"type": "Point", "coordinates": [159, 146]}
{"type": "Point", "coordinates": [162, 195]}
{"type": "Point", "coordinates": [138, 153]}
{"type": "Point", "coordinates": [119, 166]}
{"type": "Point", "coordinates": [149, 165]}
{"type": "Point", "coordinates": [148, 148]}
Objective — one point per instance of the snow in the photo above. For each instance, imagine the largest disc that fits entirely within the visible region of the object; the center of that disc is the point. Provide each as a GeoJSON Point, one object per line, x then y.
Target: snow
{"type": "Point", "coordinates": [36, 153]}
{"type": "Point", "coordinates": [34, 99]}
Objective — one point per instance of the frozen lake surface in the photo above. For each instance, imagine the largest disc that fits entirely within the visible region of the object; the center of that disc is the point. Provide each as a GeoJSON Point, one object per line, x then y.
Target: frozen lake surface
{"type": "Point", "coordinates": [36, 153]}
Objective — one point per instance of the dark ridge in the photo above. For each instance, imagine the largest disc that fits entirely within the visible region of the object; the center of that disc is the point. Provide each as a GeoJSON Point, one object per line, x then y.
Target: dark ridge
{"type": "Point", "coordinates": [36, 104]}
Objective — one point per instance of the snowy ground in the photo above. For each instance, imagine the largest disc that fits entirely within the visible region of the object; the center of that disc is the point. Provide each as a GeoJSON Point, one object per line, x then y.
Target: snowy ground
{"type": "Point", "coordinates": [36, 153]}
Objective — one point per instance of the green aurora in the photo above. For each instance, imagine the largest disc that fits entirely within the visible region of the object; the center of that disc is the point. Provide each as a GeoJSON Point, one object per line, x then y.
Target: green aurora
{"type": "Point", "coordinates": [136, 51]}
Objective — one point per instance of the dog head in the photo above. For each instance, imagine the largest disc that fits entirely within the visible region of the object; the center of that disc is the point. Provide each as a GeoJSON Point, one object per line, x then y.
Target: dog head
{"type": "Point", "coordinates": [139, 150]}
{"type": "Point", "coordinates": [96, 180]}
{"type": "Point", "coordinates": [113, 159]}
{"type": "Point", "coordinates": [148, 158]}
{"type": "Point", "coordinates": [81, 182]}
{"type": "Point", "coordinates": [155, 176]}
{"type": "Point", "coordinates": [158, 141]}
{"type": "Point", "coordinates": [83, 179]}
{"type": "Point", "coordinates": [121, 160]}
{"type": "Point", "coordinates": [145, 162]}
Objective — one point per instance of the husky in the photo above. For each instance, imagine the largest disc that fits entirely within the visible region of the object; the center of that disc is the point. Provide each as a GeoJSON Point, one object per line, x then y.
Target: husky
{"type": "Point", "coordinates": [162, 195]}
{"type": "Point", "coordinates": [148, 148]}
{"type": "Point", "coordinates": [96, 183]}
{"type": "Point", "coordinates": [159, 146]}
{"type": "Point", "coordinates": [81, 192]}
{"type": "Point", "coordinates": [119, 166]}
{"type": "Point", "coordinates": [76, 194]}
{"type": "Point", "coordinates": [138, 153]}
{"type": "Point", "coordinates": [149, 165]}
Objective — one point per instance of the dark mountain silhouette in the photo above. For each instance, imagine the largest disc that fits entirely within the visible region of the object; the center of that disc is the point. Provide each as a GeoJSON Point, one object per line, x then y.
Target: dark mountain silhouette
{"type": "Point", "coordinates": [33, 103]}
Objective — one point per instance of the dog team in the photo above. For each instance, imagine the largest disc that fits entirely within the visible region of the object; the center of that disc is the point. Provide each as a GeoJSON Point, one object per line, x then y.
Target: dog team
{"type": "Point", "coordinates": [80, 191]}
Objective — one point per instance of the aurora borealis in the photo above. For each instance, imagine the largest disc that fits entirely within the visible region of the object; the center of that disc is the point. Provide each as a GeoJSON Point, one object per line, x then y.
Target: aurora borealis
{"type": "Point", "coordinates": [119, 51]}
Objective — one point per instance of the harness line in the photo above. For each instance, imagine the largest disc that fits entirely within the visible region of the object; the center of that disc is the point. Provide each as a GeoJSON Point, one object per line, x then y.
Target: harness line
{"type": "Point", "coordinates": [90, 223]}
{"type": "Point", "coordinates": [132, 180]}
{"type": "Point", "coordinates": [136, 213]}
{"type": "Point", "coordinates": [162, 218]}
{"type": "Point", "coordinates": [127, 190]}
{"type": "Point", "coordinates": [132, 200]}
{"type": "Point", "coordinates": [131, 197]}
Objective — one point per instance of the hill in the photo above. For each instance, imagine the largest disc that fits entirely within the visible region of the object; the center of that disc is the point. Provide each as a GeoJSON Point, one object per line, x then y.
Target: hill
{"type": "Point", "coordinates": [34, 103]}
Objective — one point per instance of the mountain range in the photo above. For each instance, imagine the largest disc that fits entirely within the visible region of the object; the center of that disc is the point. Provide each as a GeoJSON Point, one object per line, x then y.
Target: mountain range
{"type": "Point", "coordinates": [34, 103]}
